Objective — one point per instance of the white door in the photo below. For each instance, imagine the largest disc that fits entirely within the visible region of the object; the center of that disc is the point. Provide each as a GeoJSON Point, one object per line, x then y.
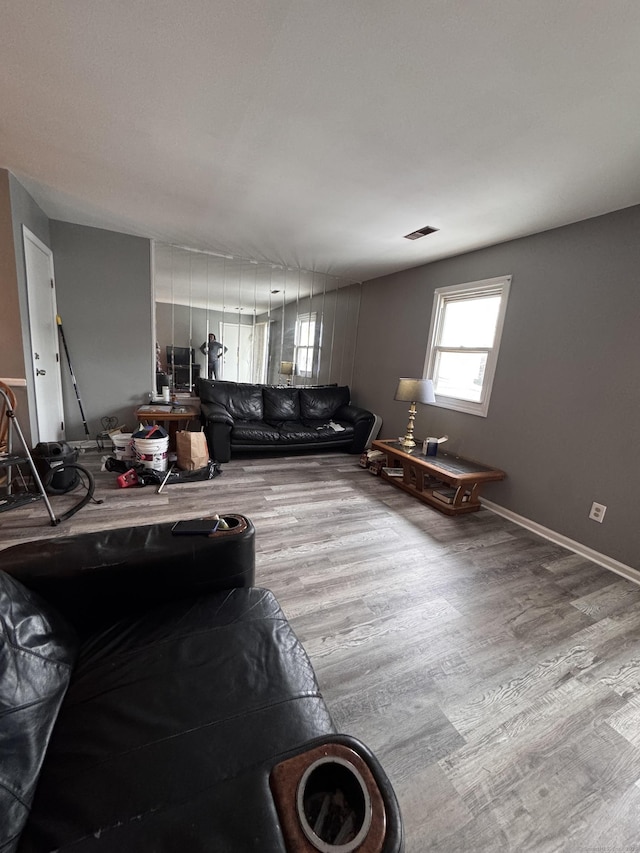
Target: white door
{"type": "Point", "coordinates": [41, 296]}
{"type": "Point", "coordinates": [238, 359]}
{"type": "Point", "coordinates": [260, 352]}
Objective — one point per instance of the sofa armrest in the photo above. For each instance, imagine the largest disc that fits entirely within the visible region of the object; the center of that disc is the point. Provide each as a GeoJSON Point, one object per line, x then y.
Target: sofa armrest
{"type": "Point", "coordinates": [362, 420]}
{"type": "Point", "coordinates": [215, 413]}
{"type": "Point", "coordinates": [94, 579]}
{"type": "Point", "coordinates": [353, 414]}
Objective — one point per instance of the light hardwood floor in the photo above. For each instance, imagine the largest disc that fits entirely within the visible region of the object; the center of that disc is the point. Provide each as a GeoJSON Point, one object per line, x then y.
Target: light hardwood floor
{"type": "Point", "coordinates": [495, 675]}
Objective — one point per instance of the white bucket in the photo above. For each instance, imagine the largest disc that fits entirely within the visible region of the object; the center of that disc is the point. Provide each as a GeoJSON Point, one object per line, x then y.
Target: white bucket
{"type": "Point", "coordinates": [152, 452]}
{"type": "Point", "coordinates": [123, 445]}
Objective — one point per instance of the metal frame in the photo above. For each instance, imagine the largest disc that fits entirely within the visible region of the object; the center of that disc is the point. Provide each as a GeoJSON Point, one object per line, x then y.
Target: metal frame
{"type": "Point", "coordinates": [11, 460]}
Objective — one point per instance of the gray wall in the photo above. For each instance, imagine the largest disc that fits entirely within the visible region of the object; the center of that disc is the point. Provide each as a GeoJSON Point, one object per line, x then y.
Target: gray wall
{"type": "Point", "coordinates": [565, 409]}
{"type": "Point", "coordinates": [103, 282]}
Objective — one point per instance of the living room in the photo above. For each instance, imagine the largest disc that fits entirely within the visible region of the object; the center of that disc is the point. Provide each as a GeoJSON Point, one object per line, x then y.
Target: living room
{"type": "Point", "coordinates": [560, 424]}
{"type": "Point", "coordinates": [564, 405]}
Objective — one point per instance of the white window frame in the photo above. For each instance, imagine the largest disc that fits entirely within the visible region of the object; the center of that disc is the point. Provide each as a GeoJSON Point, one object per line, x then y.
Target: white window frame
{"type": "Point", "coordinates": [443, 295]}
{"type": "Point", "coordinates": [312, 348]}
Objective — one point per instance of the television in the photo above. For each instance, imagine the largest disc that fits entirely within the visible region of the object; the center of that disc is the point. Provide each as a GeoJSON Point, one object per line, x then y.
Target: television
{"type": "Point", "coordinates": [180, 355]}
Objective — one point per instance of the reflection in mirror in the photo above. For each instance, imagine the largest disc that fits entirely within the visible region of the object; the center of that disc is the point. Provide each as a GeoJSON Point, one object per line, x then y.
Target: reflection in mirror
{"type": "Point", "coordinates": [250, 321]}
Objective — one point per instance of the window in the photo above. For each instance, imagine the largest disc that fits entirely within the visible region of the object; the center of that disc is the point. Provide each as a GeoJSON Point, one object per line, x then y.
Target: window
{"type": "Point", "coordinates": [464, 338]}
{"type": "Point", "coordinates": [305, 344]}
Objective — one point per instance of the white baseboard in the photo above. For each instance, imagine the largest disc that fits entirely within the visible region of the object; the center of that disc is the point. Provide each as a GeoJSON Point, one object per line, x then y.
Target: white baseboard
{"type": "Point", "coordinates": [570, 544]}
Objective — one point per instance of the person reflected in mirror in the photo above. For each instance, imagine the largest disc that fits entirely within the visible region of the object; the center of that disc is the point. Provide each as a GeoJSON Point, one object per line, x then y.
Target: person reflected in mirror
{"type": "Point", "coordinates": [214, 350]}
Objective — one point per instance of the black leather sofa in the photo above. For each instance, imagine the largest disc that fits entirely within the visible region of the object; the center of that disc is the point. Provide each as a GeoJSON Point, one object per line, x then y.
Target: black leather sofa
{"type": "Point", "coordinates": [242, 417]}
{"type": "Point", "coordinates": [152, 699]}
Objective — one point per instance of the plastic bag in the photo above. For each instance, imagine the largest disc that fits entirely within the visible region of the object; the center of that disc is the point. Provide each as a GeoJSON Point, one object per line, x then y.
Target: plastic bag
{"type": "Point", "coordinates": [149, 476]}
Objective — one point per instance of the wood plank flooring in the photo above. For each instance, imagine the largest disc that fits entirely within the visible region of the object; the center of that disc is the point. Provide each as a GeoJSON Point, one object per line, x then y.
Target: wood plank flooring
{"type": "Point", "coordinates": [495, 675]}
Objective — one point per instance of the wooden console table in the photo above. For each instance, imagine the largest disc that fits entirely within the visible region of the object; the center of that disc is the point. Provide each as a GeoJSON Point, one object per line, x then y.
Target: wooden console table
{"type": "Point", "coordinates": [178, 416]}
{"type": "Point", "coordinates": [446, 482]}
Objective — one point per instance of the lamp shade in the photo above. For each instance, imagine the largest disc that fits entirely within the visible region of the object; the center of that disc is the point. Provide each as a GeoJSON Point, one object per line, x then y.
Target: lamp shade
{"type": "Point", "coordinates": [415, 391]}
{"type": "Point", "coordinates": [286, 368]}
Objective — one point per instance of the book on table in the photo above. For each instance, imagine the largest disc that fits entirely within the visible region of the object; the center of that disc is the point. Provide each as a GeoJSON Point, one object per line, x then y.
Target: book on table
{"type": "Point", "coordinates": [447, 495]}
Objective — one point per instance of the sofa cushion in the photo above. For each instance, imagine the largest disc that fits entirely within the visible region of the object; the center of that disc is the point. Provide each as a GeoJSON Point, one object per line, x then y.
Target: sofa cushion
{"type": "Point", "coordinates": [245, 403]}
{"type": "Point", "coordinates": [322, 403]}
{"type": "Point", "coordinates": [37, 651]}
{"type": "Point", "coordinates": [312, 431]}
{"type": "Point", "coordinates": [215, 391]}
{"type": "Point", "coordinates": [241, 399]}
{"type": "Point", "coordinates": [254, 432]}
{"type": "Point", "coordinates": [164, 709]}
{"type": "Point", "coordinates": [295, 432]}
{"type": "Point", "coordinates": [281, 404]}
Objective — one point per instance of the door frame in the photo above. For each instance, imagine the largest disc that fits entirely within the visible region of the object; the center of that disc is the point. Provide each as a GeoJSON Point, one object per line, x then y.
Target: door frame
{"type": "Point", "coordinates": [29, 237]}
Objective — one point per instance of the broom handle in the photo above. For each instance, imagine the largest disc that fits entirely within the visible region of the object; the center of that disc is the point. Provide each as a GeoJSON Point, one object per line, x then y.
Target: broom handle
{"type": "Point", "coordinates": [73, 377]}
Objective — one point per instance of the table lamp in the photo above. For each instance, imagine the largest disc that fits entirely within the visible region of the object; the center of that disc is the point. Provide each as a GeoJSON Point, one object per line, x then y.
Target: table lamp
{"type": "Point", "coordinates": [286, 369]}
{"type": "Point", "coordinates": [414, 391]}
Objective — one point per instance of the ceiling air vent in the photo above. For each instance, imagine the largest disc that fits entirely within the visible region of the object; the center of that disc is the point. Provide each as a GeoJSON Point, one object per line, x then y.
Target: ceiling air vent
{"type": "Point", "coordinates": [421, 232]}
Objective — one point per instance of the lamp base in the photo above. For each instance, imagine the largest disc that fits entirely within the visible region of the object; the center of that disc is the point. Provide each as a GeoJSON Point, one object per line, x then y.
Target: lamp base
{"type": "Point", "coordinates": [408, 441]}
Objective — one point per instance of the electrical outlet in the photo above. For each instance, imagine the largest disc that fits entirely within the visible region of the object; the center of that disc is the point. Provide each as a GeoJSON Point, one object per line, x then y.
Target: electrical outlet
{"type": "Point", "coordinates": [597, 512]}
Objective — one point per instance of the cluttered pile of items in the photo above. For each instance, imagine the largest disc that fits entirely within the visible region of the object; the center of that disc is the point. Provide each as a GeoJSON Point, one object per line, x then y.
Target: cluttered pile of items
{"type": "Point", "coordinates": [142, 458]}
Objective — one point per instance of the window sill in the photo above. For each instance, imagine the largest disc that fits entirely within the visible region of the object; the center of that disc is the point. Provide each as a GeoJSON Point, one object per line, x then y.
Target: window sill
{"type": "Point", "coordinates": [466, 406]}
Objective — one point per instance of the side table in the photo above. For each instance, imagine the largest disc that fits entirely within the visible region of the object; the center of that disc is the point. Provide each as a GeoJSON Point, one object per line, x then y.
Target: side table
{"type": "Point", "coordinates": [446, 482]}
{"type": "Point", "coordinates": [178, 418]}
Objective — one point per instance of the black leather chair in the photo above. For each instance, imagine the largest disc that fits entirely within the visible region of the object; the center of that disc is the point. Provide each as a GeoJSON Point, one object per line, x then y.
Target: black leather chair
{"type": "Point", "coordinates": [153, 699]}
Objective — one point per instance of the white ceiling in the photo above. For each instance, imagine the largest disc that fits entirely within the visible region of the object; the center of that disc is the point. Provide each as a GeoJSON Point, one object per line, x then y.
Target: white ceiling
{"type": "Point", "coordinates": [232, 285]}
{"type": "Point", "coordinates": [317, 134]}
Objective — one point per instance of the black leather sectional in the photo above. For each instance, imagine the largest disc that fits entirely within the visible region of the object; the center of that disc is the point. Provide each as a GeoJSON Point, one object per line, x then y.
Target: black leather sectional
{"type": "Point", "coordinates": [242, 417]}
{"type": "Point", "coordinates": [152, 699]}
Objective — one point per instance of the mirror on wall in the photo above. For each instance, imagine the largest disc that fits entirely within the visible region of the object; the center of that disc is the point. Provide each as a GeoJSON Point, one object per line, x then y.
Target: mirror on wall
{"type": "Point", "coordinates": [250, 321]}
